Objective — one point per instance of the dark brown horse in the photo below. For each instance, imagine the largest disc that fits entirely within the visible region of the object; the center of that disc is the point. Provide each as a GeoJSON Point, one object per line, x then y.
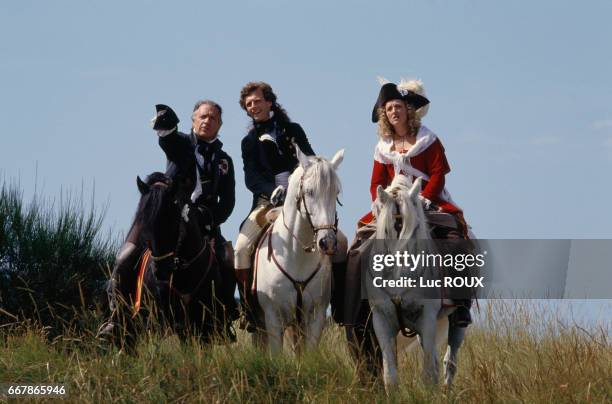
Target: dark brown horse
{"type": "Point", "coordinates": [183, 274]}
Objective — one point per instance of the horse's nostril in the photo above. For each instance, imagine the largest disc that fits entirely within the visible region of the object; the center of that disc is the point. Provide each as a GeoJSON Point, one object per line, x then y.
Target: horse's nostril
{"type": "Point", "coordinates": [323, 244]}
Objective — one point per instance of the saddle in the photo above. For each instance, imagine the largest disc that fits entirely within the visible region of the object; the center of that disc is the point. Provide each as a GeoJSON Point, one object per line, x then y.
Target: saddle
{"type": "Point", "coordinates": [265, 218]}
{"type": "Point", "coordinates": [356, 308]}
{"type": "Point", "coordinates": [441, 219]}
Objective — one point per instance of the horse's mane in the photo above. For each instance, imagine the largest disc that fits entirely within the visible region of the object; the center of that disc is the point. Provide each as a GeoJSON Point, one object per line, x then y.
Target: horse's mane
{"type": "Point", "coordinates": [321, 178]}
{"type": "Point", "coordinates": [151, 202]}
{"type": "Point", "coordinates": [412, 213]}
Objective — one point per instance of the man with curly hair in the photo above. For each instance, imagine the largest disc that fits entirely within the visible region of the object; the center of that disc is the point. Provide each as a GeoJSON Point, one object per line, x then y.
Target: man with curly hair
{"type": "Point", "coordinates": [269, 157]}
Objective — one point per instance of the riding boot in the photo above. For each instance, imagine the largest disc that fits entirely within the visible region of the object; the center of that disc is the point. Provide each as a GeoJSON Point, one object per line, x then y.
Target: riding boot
{"type": "Point", "coordinates": [337, 297]}
{"type": "Point", "coordinates": [120, 290]}
{"type": "Point", "coordinates": [243, 276]}
{"type": "Point", "coordinates": [461, 317]}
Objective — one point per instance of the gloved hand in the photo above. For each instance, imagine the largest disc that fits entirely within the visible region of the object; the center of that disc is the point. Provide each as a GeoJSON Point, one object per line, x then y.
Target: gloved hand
{"type": "Point", "coordinates": [278, 196]}
{"type": "Point", "coordinates": [165, 119]}
{"type": "Point", "coordinates": [273, 155]}
{"type": "Point", "coordinates": [427, 204]}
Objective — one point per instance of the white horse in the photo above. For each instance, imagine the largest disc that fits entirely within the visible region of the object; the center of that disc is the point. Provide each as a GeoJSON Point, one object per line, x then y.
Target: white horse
{"type": "Point", "coordinates": [293, 259]}
{"type": "Point", "coordinates": [396, 309]}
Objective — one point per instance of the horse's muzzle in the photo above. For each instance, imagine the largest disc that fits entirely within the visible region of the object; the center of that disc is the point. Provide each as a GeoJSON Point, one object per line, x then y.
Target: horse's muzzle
{"type": "Point", "coordinates": [328, 245]}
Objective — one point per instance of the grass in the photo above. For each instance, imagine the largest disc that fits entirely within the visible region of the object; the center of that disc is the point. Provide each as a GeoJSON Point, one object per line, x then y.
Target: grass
{"type": "Point", "coordinates": [54, 258]}
{"type": "Point", "coordinates": [509, 356]}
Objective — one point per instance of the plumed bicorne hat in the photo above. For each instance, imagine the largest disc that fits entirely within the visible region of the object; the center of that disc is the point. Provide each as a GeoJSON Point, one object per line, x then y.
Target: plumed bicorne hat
{"type": "Point", "coordinates": [410, 91]}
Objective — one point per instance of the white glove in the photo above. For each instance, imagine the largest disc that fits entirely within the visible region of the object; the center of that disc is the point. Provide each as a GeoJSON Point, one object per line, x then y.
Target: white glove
{"type": "Point", "coordinates": [267, 137]}
{"type": "Point", "coordinates": [278, 196]}
{"type": "Point", "coordinates": [427, 204]}
{"type": "Point", "coordinates": [164, 133]}
{"type": "Point", "coordinates": [161, 133]}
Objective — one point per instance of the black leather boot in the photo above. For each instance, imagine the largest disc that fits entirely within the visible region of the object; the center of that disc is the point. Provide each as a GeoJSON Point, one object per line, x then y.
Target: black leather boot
{"type": "Point", "coordinates": [461, 317]}
{"type": "Point", "coordinates": [120, 290]}
{"type": "Point", "coordinates": [337, 296]}
{"type": "Point", "coordinates": [248, 321]}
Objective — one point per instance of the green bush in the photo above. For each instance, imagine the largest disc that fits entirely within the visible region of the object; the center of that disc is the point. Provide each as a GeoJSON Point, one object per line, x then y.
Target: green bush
{"type": "Point", "coordinates": [53, 259]}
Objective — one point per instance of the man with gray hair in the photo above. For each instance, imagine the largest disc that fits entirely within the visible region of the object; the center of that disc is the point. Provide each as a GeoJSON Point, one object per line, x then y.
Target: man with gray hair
{"type": "Point", "coordinates": [199, 158]}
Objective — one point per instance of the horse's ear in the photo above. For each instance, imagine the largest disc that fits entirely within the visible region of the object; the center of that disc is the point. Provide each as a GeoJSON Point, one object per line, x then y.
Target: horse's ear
{"type": "Point", "coordinates": [142, 186]}
{"type": "Point", "coordinates": [381, 194]}
{"type": "Point", "coordinates": [337, 159]}
{"type": "Point", "coordinates": [302, 158]}
{"type": "Point", "coordinates": [415, 189]}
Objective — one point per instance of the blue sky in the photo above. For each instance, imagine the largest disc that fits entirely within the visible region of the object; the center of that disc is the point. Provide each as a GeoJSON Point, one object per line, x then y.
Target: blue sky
{"type": "Point", "coordinates": [521, 96]}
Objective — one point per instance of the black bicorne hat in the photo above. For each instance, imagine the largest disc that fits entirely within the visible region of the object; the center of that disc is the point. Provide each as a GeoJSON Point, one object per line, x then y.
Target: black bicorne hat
{"type": "Point", "coordinates": [389, 91]}
{"type": "Point", "coordinates": [165, 119]}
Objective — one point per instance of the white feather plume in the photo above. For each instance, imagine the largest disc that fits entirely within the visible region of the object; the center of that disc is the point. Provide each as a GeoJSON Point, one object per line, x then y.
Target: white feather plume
{"type": "Point", "coordinates": [382, 81]}
{"type": "Point", "coordinates": [416, 86]}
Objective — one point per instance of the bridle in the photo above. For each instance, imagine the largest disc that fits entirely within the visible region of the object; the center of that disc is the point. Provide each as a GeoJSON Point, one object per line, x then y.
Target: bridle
{"type": "Point", "coordinates": [300, 200]}
{"type": "Point", "coordinates": [178, 262]}
{"type": "Point", "coordinates": [298, 285]}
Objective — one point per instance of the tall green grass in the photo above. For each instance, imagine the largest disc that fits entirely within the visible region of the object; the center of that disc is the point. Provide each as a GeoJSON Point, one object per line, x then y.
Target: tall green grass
{"type": "Point", "coordinates": [504, 359]}
{"type": "Point", "coordinates": [53, 259]}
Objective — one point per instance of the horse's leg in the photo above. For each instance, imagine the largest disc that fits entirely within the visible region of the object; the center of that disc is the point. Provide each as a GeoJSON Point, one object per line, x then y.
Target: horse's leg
{"type": "Point", "coordinates": [274, 330]}
{"type": "Point", "coordinates": [313, 327]}
{"type": "Point", "coordinates": [386, 333]}
{"type": "Point", "coordinates": [259, 339]}
{"type": "Point", "coordinates": [455, 339]}
{"type": "Point", "coordinates": [427, 327]}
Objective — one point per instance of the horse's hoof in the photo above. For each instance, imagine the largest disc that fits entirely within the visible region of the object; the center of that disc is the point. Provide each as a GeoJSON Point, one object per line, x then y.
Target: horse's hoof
{"type": "Point", "coordinates": [108, 331]}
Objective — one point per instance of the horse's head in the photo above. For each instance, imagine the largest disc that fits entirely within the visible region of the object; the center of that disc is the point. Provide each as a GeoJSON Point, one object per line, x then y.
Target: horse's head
{"type": "Point", "coordinates": [313, 188]}
{"type": "Point", "coordinates": [398, 210]}
{"type": "Point", "coordinates": [159, 216]}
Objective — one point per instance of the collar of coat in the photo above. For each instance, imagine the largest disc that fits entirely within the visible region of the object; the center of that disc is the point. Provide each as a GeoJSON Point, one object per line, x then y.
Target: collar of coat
{"type": "Point", "coordinates": [383, 153]}
{"type": "Point", "coordinates": [216, 143]}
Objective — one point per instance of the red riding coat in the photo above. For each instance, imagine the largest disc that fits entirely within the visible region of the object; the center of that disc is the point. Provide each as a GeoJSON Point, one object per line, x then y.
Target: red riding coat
{"type": "Point", "coordinates": [426, 159]}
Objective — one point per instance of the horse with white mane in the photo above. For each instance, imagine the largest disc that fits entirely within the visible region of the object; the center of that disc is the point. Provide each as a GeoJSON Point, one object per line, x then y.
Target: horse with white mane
{"type": "Point", "coordinates": [400, 217]}
{"type": "Point", "coordinates": [293, 258]}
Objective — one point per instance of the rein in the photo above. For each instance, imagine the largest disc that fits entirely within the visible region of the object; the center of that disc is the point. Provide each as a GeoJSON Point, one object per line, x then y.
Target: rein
{"type": "Point", "coordinates": [177, 259]}
{"type": "Point", "coordinates": [186, 297]}
{"type": "Point", "coordinates": [180, 265]}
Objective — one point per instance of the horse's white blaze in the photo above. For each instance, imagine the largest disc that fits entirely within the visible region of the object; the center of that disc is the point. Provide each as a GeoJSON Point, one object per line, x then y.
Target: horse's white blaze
{"type": "Point", "coordinates": [314, 179]}
{"type": "Point", "coordinates": [433, 319]}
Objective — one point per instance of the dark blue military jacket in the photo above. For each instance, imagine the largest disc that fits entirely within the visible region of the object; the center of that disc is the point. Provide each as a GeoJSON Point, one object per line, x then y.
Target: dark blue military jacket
{"type": "Point", "coordinates": [215, 168]}
{"type": "Point", "coordinates": [258, 172]}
